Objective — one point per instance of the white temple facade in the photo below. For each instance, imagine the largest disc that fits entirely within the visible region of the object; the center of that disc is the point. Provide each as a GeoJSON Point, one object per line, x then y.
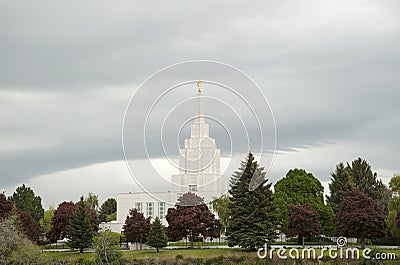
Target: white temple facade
{"type": "Point", "coordinates": [199, 172]}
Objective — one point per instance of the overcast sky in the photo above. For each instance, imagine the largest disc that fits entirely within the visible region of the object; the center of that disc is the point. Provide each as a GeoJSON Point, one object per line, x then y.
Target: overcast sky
{"type": "Point", "coordinates": [330, 70]}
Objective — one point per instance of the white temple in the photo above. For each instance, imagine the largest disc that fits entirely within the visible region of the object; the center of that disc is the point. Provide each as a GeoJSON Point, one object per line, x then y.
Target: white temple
{"type": "Point", "coordinates": [199, 172]}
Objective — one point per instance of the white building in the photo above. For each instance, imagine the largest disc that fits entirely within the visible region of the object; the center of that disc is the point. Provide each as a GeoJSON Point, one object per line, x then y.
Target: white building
{"type": "Point", "coordinates": [199, 172]}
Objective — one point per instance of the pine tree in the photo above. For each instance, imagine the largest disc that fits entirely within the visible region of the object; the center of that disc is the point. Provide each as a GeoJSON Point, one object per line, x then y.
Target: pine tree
{"type": "Point", "coordinates": [80, 229]}
{"type": "Point", "coordinates": [254, 218]}
{"type": "Point", "coordinates": [341, 184]}
{"type": "Point", "coordinates": [157, 237]}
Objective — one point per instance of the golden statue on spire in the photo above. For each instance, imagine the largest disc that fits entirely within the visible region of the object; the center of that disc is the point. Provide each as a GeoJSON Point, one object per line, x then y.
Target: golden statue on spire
{"type": "Point", "coordinates": [199, 86]}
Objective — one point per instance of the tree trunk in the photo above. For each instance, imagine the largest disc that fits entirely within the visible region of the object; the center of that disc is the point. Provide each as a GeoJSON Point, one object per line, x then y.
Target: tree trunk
{"type": "Point", "coordinates": [158, 250]}
{"type": "Point", "coordinates": [80, 250]}
{"type": "Point", "coordinates": [191, 242]}
{"type": "Point", "coordinates": [140, 242]}
{"type": "Point", "coordinates": [302, 240]}
{"type": "Point", "coordinates": [362, 241]}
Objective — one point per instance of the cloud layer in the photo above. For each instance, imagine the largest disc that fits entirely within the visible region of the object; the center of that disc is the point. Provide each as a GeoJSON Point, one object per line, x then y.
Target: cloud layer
{"type": "Point", "coordinates": [329, 70]}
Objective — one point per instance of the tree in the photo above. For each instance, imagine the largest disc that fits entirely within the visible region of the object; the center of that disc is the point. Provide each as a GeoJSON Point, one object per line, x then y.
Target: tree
{"type": "Point", "coordinates": [61, 220]}
{"type": "Point", "coordinates": [107, 248]}
{"type": "Point", "coordinates": [157, 237]}
{"type": "Point", "coordinates": [24, 199]}
{"type": "Point", "coordinates": [253, 213]}
{"type": "Point", "coordinates": [359, 216]}
{"type": "Point", "coordinates": [6, 206]}
{"type": "Point", "coordinates": [394, 183]}
{"type": "Point", "coordinates": [92, 201]}
{"type": "Point", "coordinates": [80, 230]}
{"type": "Point", "coordinates": [301, 187]}
{"type": "Point", "coordinates": [28, 224]}
{"type": "Point", "coordinates": [357, 175]}
{"type": "Point", "coordinates": [24, 219]}
{"type": "Point", "coordinates": [15, 247]}
{"type": "Point", "coordinates": [368, 182]}
{"type": "Point", "coordinates": [136, 227]}
{"type": "Point", "coordinates": [220, 205]}
{"type": "Point", "coordinates": [191, 218]}
{"type": "Point", "coordinates": [108, 208]}
{"type": "Point", "coordinates": [393, 208]}
{"type": "Point", "coordinates": [45, 222]}
{"type": "Point", "coordinates": [341, 184]}
{"type": "Point", "coordinates": [303, 221]}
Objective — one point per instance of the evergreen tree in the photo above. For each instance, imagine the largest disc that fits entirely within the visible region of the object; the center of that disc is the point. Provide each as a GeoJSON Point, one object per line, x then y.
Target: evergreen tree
{"type": "Point", "coordinates": [157, 237]}
{"type": "Point", "coordinates": [357, 175]}
{"type": "Point", "coordinates": [80, 230]}
{"type": "Point", "coordinates": [341, 184]}
{"type": "Point", "coordinates": [253, 214]}
{"type": "Point", "coordinates": [25, 199]}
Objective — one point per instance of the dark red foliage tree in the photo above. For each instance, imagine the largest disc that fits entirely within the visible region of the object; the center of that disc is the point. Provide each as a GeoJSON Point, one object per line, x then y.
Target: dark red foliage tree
{"type": "Point", "coordinates": [31, 229]}
{"type": "Point", "coordinates": [303, 221]}
{"type": "Point", "coordinates": [359, 216]}
{"type": "Point", "coordinates": [136, 227]}
{"type": "Point", "coordinates": [6, 206]}
{"type": "Point", "coordinates": [191, 218]}
{"type": "Point", "coordinates": [61, 220]}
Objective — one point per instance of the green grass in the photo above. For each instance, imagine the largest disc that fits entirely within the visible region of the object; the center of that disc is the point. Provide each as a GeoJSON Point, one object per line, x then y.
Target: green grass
{"type": "Point", "coordinates": [172, 253]}
{"type": "Point", "coordinates": [227, 256]}
{"type": "Point", "coordinates": [197, 244]}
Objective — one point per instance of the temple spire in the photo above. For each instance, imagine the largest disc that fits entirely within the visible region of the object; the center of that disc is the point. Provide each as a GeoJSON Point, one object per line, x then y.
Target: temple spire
{"type": "Point", "coordinates": [199, 86]}
{"type": "Point", "coordinates": [199, 128]}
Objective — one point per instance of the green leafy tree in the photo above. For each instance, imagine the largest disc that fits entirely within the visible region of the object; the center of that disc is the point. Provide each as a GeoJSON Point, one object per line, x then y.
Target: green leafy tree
{"type": "Point", "coordinates": [92, 201]}
{"type": "Point", "coordinates": [136, 227]}
{"type": "Point", "coordinates": [107, 210]}
{"type": "Point", "coordinates": [394, 207]}
{"type": "Point", "coordinates": [80, 230]}
{"type": "Point", "coordinates": [253, 213]}
{"type": "Point", "coordinates": [157, 237]}
{"type": "Point", "coordinates": [15, 247]}
{"type": "Point", "coordinates": [394, 183]}
{"type": "Point", "coordinates": [359, 216]}
{"type": "Point", "coordinates": [25, 199]}
{"type": "Point", "coordinates": [303, 222]}
{"type": "Point", "coordinates": [45, 222]}
{"type": "Point", "coordinates": [107, 248]}
{"type": "Point", "coordinates": [301, 187]}
{"type": "Point", "coordinates": [221, 206]}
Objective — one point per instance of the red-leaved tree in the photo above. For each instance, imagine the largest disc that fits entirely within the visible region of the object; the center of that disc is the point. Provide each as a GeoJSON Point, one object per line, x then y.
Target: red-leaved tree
{"type": "Point", "coordinates": [303, 221]}
{"type": "Point", "coordinates": [60, 221]}
{"type": "Point", "coordinates": [191, 218]}
{"type": "Point", "coordinates": [136, 227]}
{"type": "Point", "coordinates": [31, 229]}
{"type": "Point", "coordinates": [359, 216]}
{"type": "Point", "coordinates": [6, 206]}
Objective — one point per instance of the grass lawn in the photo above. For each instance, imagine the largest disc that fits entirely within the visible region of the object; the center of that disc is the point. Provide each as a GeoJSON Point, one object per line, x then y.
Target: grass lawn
{"type": "Point", "coordinates": [220, 256]}
{"type": "Point", "coordinates": [193, 253]}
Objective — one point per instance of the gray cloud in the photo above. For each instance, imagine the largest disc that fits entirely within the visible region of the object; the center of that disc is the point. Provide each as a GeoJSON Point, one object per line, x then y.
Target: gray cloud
{"type": "Point", "coordinates": [329, 70]}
